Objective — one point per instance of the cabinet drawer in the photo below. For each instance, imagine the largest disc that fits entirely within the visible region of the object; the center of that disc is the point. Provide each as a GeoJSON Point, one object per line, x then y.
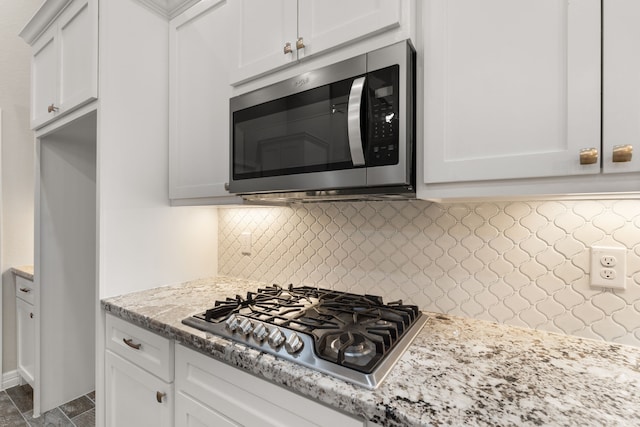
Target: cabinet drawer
{"type": "Point", "coordinates": [140, 346]}
{"type": "Point", "coordinates": [25, 290]}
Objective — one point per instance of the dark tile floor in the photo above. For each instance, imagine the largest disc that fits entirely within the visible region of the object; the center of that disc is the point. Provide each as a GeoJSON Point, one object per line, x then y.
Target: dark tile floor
{"type": "Point", "coordinates": [16, 408]}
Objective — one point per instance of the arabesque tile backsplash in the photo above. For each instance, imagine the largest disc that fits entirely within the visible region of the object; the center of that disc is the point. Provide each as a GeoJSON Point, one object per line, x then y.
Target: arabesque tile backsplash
{"type": "Point", "coordinates": [519, 263]}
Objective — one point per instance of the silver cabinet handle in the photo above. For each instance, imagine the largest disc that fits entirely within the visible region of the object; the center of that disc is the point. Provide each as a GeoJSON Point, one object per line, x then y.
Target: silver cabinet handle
{"type": "Point", "coordinates": [226, 186]}
{"type": "Point", "coordinates": [588, 156]}
{"type": "Point", "coordinates": [353, 121]}
{"type": "Point", "coordinates": [622, 153]}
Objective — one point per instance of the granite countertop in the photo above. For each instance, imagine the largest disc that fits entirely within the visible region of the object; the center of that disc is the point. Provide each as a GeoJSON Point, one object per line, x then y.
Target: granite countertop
{"type": "Point", "coordinates": [24, 271]}
{"type": "Point", "coordinates": [458, 371]}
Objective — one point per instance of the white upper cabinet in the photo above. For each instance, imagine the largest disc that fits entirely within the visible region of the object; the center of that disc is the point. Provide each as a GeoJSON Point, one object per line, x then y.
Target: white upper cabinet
{"type": "Point", "coordinates": [621, 87]}
{"type": "Point", "coordinates": [262, 31]}
{"type": "Point", "coordinates": [271, 35]}
{"type": "Point", "coordinates": [64, 71]}
{"type": "Point", "coordinates": [44, 77]}
{"type": "Point", "coordinates": [199, 104]}
{"type": "Point", "coordinates": [512, 88]}
{"type": "Point", "coordinates": [78, 53]}
{"type": "Point", "coordinates": [324, 24]}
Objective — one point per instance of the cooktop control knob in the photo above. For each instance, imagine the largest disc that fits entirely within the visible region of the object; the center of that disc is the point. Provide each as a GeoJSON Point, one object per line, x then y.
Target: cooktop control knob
{"type": "Point", "coordinates": [293, 344]}
{"type": "Point", "coordinates": [232, 323]}
{"type": "Point", "coordinates": [276, 338]}
{"type": "Point", "coordinates": [260, 332]}
{"type": "Point", "coordinates": [246, 326]}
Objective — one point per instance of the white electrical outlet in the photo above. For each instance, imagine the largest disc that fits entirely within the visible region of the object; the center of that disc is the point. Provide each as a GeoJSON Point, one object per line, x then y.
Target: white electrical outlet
{"type": "Point", "coordinates": [608, 267]}
{"type": "Point", "coordinates": [245, 243]}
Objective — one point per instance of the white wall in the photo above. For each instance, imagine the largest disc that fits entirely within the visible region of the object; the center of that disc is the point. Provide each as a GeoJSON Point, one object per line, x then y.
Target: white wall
{"type": "Point", "coordinates": [143, 242]}
{"type": "Point", "coordinates": [17, 162]}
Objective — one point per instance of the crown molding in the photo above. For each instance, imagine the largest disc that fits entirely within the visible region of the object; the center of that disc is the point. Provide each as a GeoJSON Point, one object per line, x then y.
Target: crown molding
{"type": "Point", "coordinates": [41, 20]}
{"type": "Point", "coordinates": [168, 8]}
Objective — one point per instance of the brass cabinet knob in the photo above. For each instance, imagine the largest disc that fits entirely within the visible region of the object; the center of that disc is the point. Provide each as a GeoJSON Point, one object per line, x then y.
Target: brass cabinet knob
{"type": "Point", "coordinates": [300, 43]}
{"type": "Point", "coordinates": [51, 108]}
{"type": "Point", "coordinates": [287, 48]}
{"type": "Point", "coordinates": [159, 396]}
{"type": "Point", "coordinates": [622, 153]}
{"type": "Point", "coordinates": [588, 156]}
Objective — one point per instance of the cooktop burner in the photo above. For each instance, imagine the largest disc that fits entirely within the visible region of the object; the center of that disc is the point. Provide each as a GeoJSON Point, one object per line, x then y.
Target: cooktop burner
{"type": "Point", "coordinates": [354, 337]}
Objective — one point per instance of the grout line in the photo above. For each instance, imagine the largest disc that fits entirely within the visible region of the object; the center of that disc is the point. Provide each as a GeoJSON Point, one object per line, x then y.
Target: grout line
{"type": "Point", "coordinates": [28, 424]}
{"type": "Point", "coordinates": [64, 414]}
{"type": "Point", "coordinates": [18, 409]}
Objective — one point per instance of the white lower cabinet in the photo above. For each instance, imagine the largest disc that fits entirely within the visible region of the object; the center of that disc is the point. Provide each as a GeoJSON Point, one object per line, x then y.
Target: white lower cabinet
{"type": "Point", "coordinates": [211, 393]}
{"type": "Point", "coordinates": [139, 376]}
{"type": "Point", "coordinates": [135, 397]}
{"type": "Point", "coordinates": [140, 388]}
{"type": "Point", "coordinates": [191, 413]}
{"type": "Point", "coordinates": [26, 329]}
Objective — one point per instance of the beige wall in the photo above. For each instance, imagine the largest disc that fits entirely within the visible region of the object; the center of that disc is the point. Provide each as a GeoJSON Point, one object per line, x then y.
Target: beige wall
{"type": "Point", "coordinates": [17, 162]}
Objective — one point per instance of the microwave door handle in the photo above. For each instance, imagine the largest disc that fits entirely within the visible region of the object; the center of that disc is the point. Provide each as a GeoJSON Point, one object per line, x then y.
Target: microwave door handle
{"type": "Point", "coordinates": [353, 122]}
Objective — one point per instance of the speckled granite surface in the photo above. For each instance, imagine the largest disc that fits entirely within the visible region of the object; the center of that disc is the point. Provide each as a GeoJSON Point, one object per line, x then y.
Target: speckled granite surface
{"type": "Point", "coordinates": [25, 271]}
{"type": "Point", "coordinates": [457, 372]}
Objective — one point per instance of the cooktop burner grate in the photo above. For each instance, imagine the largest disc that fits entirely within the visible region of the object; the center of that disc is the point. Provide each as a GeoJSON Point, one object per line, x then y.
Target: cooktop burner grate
{"type": "Point", "coordinates": [332, 331]}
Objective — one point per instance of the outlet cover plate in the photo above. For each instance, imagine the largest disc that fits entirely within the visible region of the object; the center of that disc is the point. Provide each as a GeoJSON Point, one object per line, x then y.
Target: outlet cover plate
{"type": "Point", "coordinates": [601, 261]}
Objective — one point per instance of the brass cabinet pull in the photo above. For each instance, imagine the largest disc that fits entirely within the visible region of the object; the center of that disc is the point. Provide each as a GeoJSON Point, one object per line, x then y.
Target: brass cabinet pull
{"type": "Point", "coordinates": [622, 153]}
{"type": "Point", "coordinates": [300, 43]}
{"type": "Point", "coordinates": [159, 396]}
{"type": "Point", "coordinates": [25, 290]}
{"type": "Point", "coordinates": [287, 48]}
{"type": "Point", "coordinates": [129, 342]}
{"type": "Point", "coordinates": [51, 108]}
{"type": "Point", "coordinates": [588, 156]}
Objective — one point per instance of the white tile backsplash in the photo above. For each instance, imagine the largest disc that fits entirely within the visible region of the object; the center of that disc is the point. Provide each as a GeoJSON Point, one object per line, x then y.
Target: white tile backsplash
{"type": "Point", "coordinates": [519, 263]}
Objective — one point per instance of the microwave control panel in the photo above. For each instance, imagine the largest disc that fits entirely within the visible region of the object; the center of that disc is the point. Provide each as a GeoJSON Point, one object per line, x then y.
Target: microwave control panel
{"type": "Point", "coordinates": [383, 142]}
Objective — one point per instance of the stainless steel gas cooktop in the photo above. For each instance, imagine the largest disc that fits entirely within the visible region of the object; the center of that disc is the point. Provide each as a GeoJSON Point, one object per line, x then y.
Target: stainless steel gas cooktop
{"type": "Point", "coordinates": [357, 338]}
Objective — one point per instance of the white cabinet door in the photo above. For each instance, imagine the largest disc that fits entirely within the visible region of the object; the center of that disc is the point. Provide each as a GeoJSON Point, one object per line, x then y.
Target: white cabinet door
{"type": "Point", "coordinates": [134, 397]}
{"type": "Point", "coordinates": [191, 413]}
{"type": "Point", "coordinates": [44, 78]}
{"type": "Point", "coordinates": [512, 88]}
{"type": "Point", "coordinates": [78, 57]}
{"type": "Point", "coordinates": [324, 24]}
{"type": "Point", "coordinates": [26, 340]}
{"type": "Point", "coordinates": [621, 84]}
{"type": "Point", "coordinates": [199, 102]}
{"type": "Point", "coordinates": [261, 30]}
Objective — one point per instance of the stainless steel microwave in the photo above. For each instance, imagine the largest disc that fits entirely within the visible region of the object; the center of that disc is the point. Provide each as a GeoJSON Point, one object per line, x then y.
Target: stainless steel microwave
{"type": "Point", "coordinates": [342, 132]}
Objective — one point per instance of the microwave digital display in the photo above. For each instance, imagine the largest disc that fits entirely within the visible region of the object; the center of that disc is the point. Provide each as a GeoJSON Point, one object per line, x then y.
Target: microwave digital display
{"type": "Point", "coordinates": [384, 92]}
